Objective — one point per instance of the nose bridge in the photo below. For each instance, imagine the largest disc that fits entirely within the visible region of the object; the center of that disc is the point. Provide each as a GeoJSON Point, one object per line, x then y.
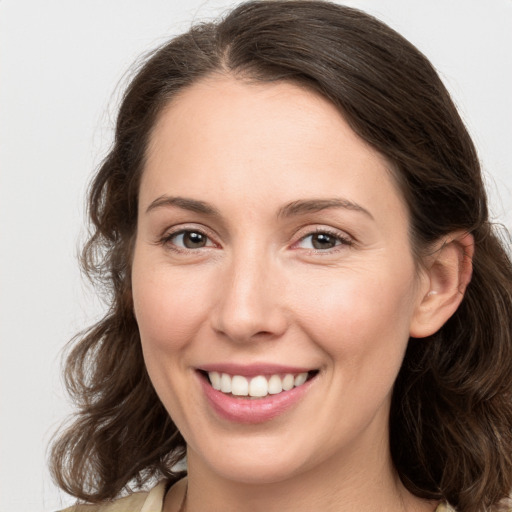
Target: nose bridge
{"type": "Point", "coordinates": [248, 304]}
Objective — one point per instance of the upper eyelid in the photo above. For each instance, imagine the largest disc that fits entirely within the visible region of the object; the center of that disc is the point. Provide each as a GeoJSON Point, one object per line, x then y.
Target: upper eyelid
{"type": "Point", "coordinates": [171, 232]}
{"type": "Point", "coordinates": [300, 234]}
{"type": "Point", "coordinates": [308, 230]}
{"type": "Point", "coordinates": [180, 228]}
{"type": "Point", "coordinates": [166, 240]}
{"type": "Point", "coordinates": [343, 240]}
{"type": "Point", "coordinates": [346, 240]}
{"type": "Point", "coordinates": [325, 232]}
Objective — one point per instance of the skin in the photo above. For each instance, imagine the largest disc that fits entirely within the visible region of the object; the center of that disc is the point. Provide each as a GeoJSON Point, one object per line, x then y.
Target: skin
{"type": "Point", "coordinates": [258, 291]}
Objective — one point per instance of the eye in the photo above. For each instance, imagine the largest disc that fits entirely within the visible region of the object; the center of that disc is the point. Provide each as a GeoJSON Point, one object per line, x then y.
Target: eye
{"type": "Point", "coordinates": [322, 240]}
{"type": "Point", "coordinates": [188, 239]}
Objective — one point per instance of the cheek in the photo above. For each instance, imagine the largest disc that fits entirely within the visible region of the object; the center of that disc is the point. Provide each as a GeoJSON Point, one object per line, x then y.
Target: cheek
{"type": "Point", "coordinates": [360, 315]}
{"type": "Point", "coordinates": [168, 311]}
{"type": "Point", "coordinates": [167, 305]}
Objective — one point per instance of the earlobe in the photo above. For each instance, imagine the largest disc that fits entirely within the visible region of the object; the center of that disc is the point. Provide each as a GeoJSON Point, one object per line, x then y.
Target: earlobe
{"type": "Point", "coordinates": [447, 275]}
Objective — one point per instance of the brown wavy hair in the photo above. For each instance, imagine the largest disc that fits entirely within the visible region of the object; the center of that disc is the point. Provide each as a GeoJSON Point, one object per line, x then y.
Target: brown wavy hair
{"type": "Point", "coordinates": [451, 415]}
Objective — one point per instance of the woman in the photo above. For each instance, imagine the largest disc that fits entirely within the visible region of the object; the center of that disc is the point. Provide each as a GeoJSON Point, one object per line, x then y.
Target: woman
{"type": "Point", "coordinates": [308, 299]}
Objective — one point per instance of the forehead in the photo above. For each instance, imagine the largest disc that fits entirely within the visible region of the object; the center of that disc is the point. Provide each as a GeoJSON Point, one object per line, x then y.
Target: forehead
{"type": "Point", "coordinates": [221, 136]}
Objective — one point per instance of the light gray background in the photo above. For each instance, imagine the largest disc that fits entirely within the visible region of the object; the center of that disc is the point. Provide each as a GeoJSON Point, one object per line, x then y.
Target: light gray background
{"type": "Point", "coordinates": [60, 64]}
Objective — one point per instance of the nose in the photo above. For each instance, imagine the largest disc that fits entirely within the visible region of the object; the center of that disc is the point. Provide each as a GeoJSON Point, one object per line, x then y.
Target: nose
{"type": "Point", "coordinates": [250, 303]}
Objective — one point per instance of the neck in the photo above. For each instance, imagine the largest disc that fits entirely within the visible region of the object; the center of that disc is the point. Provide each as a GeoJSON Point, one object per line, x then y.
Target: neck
{"type": "Point", "coordinates": [373, 485]}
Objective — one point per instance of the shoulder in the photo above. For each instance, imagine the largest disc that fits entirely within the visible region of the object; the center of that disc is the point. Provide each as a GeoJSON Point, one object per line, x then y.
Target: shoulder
{"type": "Point", "coordinates": [148, 501]}
{"type": "Point", "coordinates": [444, 507]}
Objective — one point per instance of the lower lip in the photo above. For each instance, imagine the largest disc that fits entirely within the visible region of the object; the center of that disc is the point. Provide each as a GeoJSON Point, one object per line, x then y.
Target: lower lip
{"type": "Point", "coordinates": [256, 410]}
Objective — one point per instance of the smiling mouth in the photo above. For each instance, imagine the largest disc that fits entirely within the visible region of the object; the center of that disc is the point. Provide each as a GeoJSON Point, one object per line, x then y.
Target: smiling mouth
{"type": "Point", "coordinates": [258, 386]}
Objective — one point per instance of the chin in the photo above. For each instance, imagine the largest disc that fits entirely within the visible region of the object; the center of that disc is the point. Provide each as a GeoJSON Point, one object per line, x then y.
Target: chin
{"type": "Point", "coordinates": [253, 463]}
{"type": "Point", "coordinates": [251, 472]}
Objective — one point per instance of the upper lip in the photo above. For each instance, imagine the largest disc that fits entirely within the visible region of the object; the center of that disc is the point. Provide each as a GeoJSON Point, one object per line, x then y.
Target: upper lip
{"type": "Point", "coordinates": [252, 370]}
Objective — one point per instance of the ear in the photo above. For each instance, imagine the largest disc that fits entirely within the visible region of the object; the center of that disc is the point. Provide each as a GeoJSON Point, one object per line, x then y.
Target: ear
{"type": "Point", "coordinates": [447, 274]}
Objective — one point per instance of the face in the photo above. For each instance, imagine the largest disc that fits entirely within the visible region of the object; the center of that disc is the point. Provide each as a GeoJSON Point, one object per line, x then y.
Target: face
{"type": "Point", "coordinates": [272, 258]}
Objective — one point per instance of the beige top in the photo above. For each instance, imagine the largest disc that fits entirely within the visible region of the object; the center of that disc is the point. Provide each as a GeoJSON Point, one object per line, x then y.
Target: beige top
{"type": "Point", "coordinates": [153, 501]}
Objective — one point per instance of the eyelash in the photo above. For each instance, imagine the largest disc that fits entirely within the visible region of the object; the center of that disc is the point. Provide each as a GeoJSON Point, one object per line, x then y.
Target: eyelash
{"type": "Point", "coordinates": [344, 241]}
{"type": "Point", "coordinates": [166, 240]}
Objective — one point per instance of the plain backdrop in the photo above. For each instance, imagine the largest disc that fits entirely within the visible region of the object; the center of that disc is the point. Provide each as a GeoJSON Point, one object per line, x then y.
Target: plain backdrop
{"type": "Point", "coordinates": [62, 64]}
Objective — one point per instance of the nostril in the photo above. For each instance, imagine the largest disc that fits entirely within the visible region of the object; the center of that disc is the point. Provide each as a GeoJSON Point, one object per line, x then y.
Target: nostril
{"type": "Point", "coordinates": [245, 312]}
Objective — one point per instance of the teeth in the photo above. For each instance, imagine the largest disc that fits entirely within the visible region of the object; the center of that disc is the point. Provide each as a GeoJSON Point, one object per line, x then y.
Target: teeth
{"type": "Point", "coordinates": [300, 379]}
{"type": "Point", "coordinates": [215, 380]}
{"type": "Point", "coordinates": [225, 383]}
{"type": "Point", "coordinates": [288, 382]}
{"type": "Point", "coordinates": [275, 385]}
{"type": "Point", "coordinates": [239, 385]}
{"type": "Point", "coordinates": [258, 386]}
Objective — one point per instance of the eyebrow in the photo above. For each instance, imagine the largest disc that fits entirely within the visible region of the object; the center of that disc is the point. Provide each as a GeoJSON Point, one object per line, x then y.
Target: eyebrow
{"type": "Point", "coordinates": [295, 208]}
{"type": "Point", "coordinates": [184, 203]}
{"type": "Point", "coordinates": [304, 206]}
